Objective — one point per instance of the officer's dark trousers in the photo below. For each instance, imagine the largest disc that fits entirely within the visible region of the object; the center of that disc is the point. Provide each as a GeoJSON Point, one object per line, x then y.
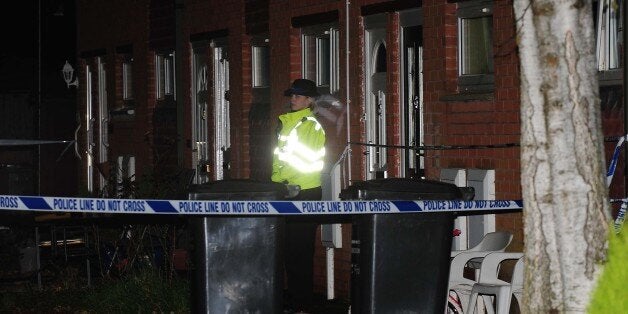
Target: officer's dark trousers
{"type": "Point", "coordinates": [299, 254]}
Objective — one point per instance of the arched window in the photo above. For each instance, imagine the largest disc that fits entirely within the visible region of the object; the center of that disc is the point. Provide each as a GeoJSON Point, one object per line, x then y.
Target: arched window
{"type": "Point", "coordinates": [380, 58]}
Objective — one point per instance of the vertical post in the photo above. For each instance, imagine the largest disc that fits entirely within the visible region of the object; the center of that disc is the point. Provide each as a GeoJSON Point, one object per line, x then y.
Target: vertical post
{"type": "Point", "coordinates": [88, 264]}
{"type": "Point", "coordinates": [347, 89]}
{"type": "Point", "coordinates": [624, 32]}
{"type": "Point", "coordinates": [178, 77]}
{"type": "Point", "coordinates": [330, 273]}
{"type": "Point", "coordinates": [39, 96]}
{"type": "Point", "coordinates": [38, 258]}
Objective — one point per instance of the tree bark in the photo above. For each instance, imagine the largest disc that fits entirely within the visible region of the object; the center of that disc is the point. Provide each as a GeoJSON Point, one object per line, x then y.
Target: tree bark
{"type": "Point", "coordinates": [566, 207]}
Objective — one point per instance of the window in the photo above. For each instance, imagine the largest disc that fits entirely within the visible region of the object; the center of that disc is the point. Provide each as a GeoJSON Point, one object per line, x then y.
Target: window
{"type": "Point", "coordinates": [475, 46]}
{"type": "Point", "coordinates": [164, 71]}
{"type": "Point", "coordinates": [320, 53]}
{"type": "Point", "coordinates": [609, 34]}
{"type": "Point", "coordinates": [124, 90]}
{"type": "Point", "coordinates": [261, 65]}
{"type": "Point", "coordinates": [127, 78]}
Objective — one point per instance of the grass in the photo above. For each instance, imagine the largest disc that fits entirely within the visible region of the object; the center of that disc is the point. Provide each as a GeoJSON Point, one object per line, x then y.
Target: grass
{"type": "Point", "coordinates": [144, 292]}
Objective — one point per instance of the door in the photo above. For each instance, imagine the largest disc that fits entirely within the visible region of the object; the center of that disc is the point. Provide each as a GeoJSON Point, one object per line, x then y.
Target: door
{"type": "Point", "coordinates": [200, 148]}
{"type": "Point", "coordinates": [412, 110]}
{"type": "Point", "coordinates": [222, 139]}
{"type": "Point", "coordinates": [376, 70]}
{"type": "Point", "coordinates": [89, 129]}
{"type": "Point", "coordinates": [103, 122]}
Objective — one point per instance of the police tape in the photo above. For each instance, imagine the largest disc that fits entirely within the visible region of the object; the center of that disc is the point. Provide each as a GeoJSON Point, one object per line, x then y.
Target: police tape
{"type": "Point", "coordinates": [613, 163]}
{"type": "Point", "coordinates": [244, 208]}
{"type": "Point", "coordinates": [619, 220]}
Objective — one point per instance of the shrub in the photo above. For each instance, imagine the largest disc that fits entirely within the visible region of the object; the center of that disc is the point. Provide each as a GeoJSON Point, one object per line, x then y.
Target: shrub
{"type": "Point", "coordinates": [610, 294]}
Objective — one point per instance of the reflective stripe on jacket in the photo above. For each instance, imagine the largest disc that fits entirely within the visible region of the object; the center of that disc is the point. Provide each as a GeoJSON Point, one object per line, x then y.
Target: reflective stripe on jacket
{"type": "Point", "coordinates": [300, 153]}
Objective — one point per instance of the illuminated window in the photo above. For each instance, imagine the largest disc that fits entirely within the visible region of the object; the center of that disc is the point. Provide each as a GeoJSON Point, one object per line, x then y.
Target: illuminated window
{"type": "Point", "coordinates": [127, 78]}
{"type": "Point", "coordinates": [261, 66]}
{"type": "Point", "coordinates": [164, 71]}
{"type": "Point", "coordinates": [320, 53]}
{"type": "Point", "coordinates": [475, 46]}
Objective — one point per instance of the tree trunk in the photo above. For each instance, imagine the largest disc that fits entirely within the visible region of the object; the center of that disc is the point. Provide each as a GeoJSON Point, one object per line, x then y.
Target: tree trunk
{"type": "Point", "coordinates": [567, 212]}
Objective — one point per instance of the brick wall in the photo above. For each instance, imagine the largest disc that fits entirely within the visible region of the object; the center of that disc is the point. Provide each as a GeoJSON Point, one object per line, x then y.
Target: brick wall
{"type": "Point", "coordinates": [449, 119]}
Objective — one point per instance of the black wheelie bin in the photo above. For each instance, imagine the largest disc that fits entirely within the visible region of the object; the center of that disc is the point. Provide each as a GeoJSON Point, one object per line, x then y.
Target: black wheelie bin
{"type": "Point", "coordinates": [238, 260]}
{"type": "Point", "coordinates": [400, 262]}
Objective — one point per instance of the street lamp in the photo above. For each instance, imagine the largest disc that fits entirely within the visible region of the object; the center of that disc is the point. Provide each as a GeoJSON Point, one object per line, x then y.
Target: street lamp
{"type": "Point", "coordinates": [68, 73]}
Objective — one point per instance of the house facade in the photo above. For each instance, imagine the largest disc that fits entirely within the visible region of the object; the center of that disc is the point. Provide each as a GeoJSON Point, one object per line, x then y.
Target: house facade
{"type": "Point", "coordinates": [190, 84]}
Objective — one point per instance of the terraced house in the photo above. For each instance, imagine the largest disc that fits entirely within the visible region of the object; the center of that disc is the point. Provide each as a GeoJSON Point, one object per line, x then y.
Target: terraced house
{"type": "Point", "coordinates": [198, 84]}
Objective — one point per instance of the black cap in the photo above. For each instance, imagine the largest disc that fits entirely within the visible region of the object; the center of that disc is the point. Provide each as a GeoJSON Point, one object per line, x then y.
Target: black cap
{"type": "Point", "coordinates": [302, 87]}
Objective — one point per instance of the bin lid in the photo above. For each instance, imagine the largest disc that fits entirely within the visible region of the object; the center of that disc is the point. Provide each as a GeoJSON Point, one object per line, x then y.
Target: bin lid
{"type": "Point", "coordinates": [240, 189]}
{"type": "Point", "coordinates": [402, 189]}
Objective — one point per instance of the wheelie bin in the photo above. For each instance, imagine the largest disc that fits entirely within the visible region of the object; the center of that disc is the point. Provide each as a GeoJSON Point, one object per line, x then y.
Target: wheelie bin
{"type": "Point", "coordinates": [400, 262]}
{"type": "Point", "coordinates": [237, 261]}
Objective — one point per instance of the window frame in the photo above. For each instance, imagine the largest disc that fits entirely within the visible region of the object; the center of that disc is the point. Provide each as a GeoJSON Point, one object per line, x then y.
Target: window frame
{"type": "Point", "coordinates": [164, 75]}
{"type": "Point", "coordinates": [127, 78]}
{"type": "Point", "coordinates": [329, 32]}
{"type": "Point", "coordinates": [260, 68]}
{"type": "Point", "coordinates": [474, 82]}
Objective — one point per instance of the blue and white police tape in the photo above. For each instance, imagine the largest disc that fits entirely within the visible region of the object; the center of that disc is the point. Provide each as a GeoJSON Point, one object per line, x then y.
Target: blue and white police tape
{"type": "Point", "coordinates": [244, 208]}
{"type": "Point", "coordinates": [619, 221]}
{"type": "Point", "coordinates": [613, 164]}
{"type": "Point", "coordinates": [621, 214]}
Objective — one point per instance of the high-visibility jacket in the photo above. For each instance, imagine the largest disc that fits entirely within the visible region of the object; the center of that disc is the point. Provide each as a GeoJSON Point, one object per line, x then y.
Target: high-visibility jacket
{"type": "Point", "coordinates": [300, 153]}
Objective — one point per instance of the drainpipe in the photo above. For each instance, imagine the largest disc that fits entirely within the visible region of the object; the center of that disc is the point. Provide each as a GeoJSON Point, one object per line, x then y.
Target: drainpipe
{"type": "Point", "coordinates": [347, 89]}
{"type": "Point", "coordinates": [178, 78]}
{"type": "Point", "coordinates": [625, 90]}
{"type": "Point", "coordinates": [39, 90]}
{"type": "Point", "coordinates": [330, 250]}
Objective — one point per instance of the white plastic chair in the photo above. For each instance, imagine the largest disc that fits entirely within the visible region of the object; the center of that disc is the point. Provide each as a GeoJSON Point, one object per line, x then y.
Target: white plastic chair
{"type": "Point", "coordinates": [491, 242]}
{"type": "Point", "coordinates": [496, 241]}
{"type": "Point", "coordinates": [489, 284]}
{"type": "Point", "coordinates": [458, 283]}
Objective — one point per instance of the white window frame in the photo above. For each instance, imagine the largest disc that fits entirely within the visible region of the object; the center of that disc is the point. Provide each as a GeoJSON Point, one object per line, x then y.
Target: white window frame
{"type": "Point", "coordinates": [164, 75]}
{"type": "Point", "coordinates": [326, 82]}
{"type": "Point", "coordinates": [608, 34]}
{"type": "Point", "coordinates": [260, 68]}
{"type": "Point", "coordinates": [127, 78]}
{"type": "Point", "coordinates": [472, 228]}
{"type": "Point", "coordinates": [474, 81]}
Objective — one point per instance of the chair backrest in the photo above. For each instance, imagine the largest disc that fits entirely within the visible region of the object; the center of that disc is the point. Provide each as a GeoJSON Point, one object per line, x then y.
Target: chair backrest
{"type": "Point", "coordinates": [517, 275]}
{"type": "Point", "coordinates": [457, 266]}
{"type": "Point", "coordinates": [489, 271]}
{"type": "Point", "coordinates": [494, 241]}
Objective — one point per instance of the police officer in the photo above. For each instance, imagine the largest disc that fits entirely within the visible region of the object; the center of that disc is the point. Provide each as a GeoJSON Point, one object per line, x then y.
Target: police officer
{"type": "Point", "coordinates": [298, 159]}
